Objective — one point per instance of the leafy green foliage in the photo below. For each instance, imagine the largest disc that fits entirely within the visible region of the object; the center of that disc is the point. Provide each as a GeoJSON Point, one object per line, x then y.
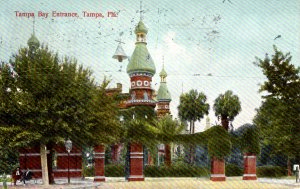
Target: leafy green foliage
{"type": "Point", "coordinates": [168, 129]}
{"type": "Point", "coordinates": [250, 141]}
{"type": "Point", "coordinates": [89, 171]}
{"type": "Point", "coordinates": [140, 131]}
{"type": "Point", "coordinates": [193, 139]}
{"type": "Point", "coordinates": [181, 170]}
{"type": "Point", "coordinates": [278, 118]}
{"type": "Point", "coordinates": [114, 170]}
{"type": "Point", "coordinates": [176, 170]}
{"type": "Point", "coordinates": [228, 106]}
{"type": "Point", "coordinates": [102, 119]}
{"type": "Point", "coordinates": [8, 159]}
{"type": "Point", "coordinates": [219, 144]}
{"type": "Point", "coordinates": [216, 138]}
{"type": "Point", "coordinates": [282, 76]}
{"type": "Point", "coordinates": [45, 99]}
{"type": "Point", "coordinates": [271, 171]}
{"type": "Point", "coordinates": [192, 107]}
{"type": "Point", "coordinates": [233, 170]}
{"type": "Point", "coordinates": [247, 137]}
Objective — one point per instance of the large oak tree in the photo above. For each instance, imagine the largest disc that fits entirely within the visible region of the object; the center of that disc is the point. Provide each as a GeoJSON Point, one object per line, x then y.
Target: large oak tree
{"type": "Point", "coordinates": [279, 116]}
{"type": "Point", "coordinates": [45, 99]}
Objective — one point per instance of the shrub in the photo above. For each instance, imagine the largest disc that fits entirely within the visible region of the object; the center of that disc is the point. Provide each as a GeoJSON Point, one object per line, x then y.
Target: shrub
{"type": "Point", "coordinates": [271, 171]}
{"type": "Point", "coordinates": [233, 170]}
{"type": "Point", "coordinates": [115, 170]}
{"type": "Point", "coordinates": [250, 140]}
{"type": "Point", "coordinates": [219, 144]}
{"type": "Point", "coordinates": [179, 170]}
{"type": "Point", "coordinates": [5, 178]}
{"type": "Point", "coordinates": [89, 171]}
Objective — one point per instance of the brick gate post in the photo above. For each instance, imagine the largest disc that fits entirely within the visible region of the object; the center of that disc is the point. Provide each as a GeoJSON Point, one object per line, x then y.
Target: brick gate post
{"type": "Point", "coordinates": [249, 167]}
{"type": "Point", "coordinates": [217, 170]}
{"type": "Point", "coordinates": [99, 163]}
{"type": "Point", "coordinates": [136, 162]}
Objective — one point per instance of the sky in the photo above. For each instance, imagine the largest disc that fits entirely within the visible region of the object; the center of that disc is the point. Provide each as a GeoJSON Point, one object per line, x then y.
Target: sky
{"type": "Point", "coordinates": [207, 45]}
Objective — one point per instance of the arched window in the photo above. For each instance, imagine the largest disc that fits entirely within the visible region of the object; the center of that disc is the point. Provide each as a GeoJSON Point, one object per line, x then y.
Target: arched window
{"type": "Point", "coordinates": [146, 83]}
{"type": "Point", "coordinates": [146, 96]}
{"type": "Point", "coordinates": [139, 83]}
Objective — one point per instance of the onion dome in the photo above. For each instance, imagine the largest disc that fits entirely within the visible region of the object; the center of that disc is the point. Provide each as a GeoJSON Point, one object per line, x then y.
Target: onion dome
{"type": "Point", "coordinates": [33, 42]}
{"type": "Point", "coordinates": [141, 28]}
{"type": "Point", "coordinates": [163, 74]}
{"type": "Point", "coordinates": [163, 93]}
{"type": "Point", "coordinates": [141, 60]}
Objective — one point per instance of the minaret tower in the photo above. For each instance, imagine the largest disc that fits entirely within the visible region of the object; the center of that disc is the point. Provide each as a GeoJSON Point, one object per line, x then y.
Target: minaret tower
{"type": "Point", "coordinates": [141, 69]}
{"type": "Point", "coordinates": [33, 42]}
{"type": "Point", "coordinates": [207, 124]}
{"type": "Point", "coordinates": [163, 95]}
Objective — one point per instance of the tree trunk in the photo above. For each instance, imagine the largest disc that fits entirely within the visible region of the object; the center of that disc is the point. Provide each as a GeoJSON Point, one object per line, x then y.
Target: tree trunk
{"type": "Point", "coordinates": [289, 167]}
{"type": "Point", "coordinates": [150, 159]}
{"type": "Point", "coordinates": [225, 122]}
{"type": "Point", "coordinates": [192, 127]}
{"type": "Point", "coordinates": [192, 150]}
{"type": "Point", "coordinates": [168, 155]}
{"type": "Point", "coordinates": [43, 152]}
{"type": "Point", "coordinates": [49, 163]}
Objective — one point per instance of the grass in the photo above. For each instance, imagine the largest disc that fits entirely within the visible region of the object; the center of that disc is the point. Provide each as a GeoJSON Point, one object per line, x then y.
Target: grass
{"type": "Point", "coordinates": [7, 179]}
{"type": "Point", "coordinates": [232, 183]}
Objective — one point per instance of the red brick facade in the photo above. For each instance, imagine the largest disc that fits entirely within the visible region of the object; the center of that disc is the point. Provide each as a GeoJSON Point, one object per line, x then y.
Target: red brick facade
{"type": "Point", "coordinates": [217, 170]}
{"type": "Point", "coordinates": [30, 158]}
{"type": "Point", "coordinates": [163, 108]}
{"type": "Point", "coordinates": [99, 163]}
{"type": "Point", "coordinates": [136, 162]}
{"type": "Point", "coordinates": [141, 92]}
{"type": "Point", "coordinates": [61, 170]}
{"type": "Point", "coordinates": [249, 167]}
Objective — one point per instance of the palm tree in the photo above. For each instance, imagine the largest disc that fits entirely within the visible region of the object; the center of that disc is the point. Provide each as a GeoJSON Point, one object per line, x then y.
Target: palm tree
{"type": "Point", "coordinates": [192, 107]}
{"type": "Point", "coordinates": [168, 129]}
{"type": "Point", "coordinates": [227, 106]}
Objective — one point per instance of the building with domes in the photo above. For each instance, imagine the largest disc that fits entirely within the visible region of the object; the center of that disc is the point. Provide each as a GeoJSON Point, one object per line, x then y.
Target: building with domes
{"type": "Point", "coordinates": [33, 42]}
{"type": "Point", "coordinates": [141, 69]}
{"type": "Point", "coordinates": [163, 95]}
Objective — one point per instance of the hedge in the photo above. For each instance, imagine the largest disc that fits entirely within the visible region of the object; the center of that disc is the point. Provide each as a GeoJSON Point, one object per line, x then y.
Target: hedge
{"type": "Point", "coordinates": [175, 171]}
{"type": "Point", "coordinates": [89, 171]}
{"type": "Point", "coordinates": [114, 170]}
{"type": "Point", "coordinates": [160, 171]}
{"type": "Point", "coordinates": [250, 140]}
{"type": "Point", "coordinates": [111, 170]}
{"type": "Point", "coordinates": [219, 144]}
{"type": "Point", "coordinates": [271, 171]}
{"type": "Point", "coordinates": [233, 170]}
